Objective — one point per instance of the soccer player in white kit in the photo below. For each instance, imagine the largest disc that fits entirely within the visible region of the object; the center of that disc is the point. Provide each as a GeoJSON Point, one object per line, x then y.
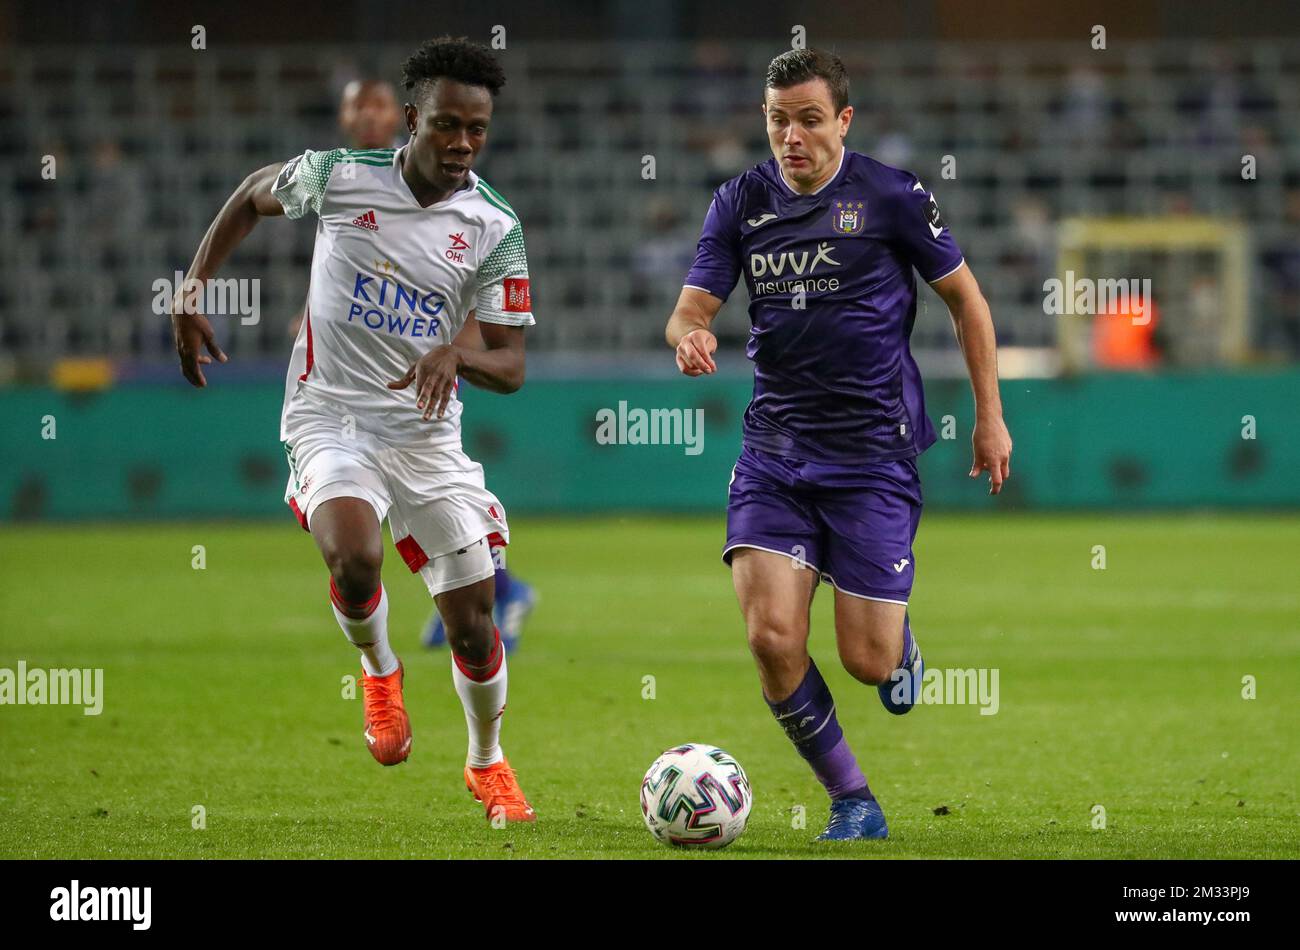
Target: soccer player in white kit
{"type": "Point", "coordinates": [409, 241]}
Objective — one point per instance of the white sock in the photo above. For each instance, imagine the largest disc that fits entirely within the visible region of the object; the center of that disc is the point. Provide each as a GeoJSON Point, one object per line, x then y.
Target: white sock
{"type": "Point", "coordinates": [369, 634]}
{"type": "Point", "coordinates": [484, 702]}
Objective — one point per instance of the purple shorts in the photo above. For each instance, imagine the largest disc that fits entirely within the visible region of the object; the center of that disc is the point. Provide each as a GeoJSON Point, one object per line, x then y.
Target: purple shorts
{"type": "Point", "coordinates": [854, 525]}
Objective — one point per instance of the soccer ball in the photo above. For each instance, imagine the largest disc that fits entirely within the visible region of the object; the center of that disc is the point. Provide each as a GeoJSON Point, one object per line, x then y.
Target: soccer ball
{"type": "Point", "coordinates": [696, 796]}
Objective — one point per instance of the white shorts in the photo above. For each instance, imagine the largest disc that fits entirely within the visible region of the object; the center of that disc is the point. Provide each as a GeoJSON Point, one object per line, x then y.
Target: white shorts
{"type": "Point", "coordinates": [445, 523]}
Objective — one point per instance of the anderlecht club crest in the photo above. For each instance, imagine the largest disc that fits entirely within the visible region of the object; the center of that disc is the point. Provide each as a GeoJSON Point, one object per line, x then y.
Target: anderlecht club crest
{"type": "Point", "coordinates": [847, 217]}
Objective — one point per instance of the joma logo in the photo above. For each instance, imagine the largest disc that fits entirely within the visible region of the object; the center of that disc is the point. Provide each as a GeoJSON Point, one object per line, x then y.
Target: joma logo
{"type": "Point", "coordinates": [799, 264]}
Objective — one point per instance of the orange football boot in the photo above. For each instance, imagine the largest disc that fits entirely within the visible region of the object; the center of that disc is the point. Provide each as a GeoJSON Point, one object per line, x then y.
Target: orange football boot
{"type": "Point", "coordinates": [388, 728]}
{"type": "Point", "coordinates": [498, 789]}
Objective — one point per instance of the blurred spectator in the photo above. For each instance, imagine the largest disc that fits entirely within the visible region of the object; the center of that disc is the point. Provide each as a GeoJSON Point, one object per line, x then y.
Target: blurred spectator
{"type": "Point", "coordinates": [661, 260]}
{"type": "Point", "coordinates": [1280, 324]}
{"type": "Point", "coordinates": [893, 147]}
{"type": "Point", "coordinates": [369, 117]}
{"type": "Point", "coordinates": [115, 204]}
{"type": "Point", "coordinates": [1084, 112]}
{"type": "Point", "coordinates": [1220, 113]}
{"type": "Point", "coordinates": [1123, 338]}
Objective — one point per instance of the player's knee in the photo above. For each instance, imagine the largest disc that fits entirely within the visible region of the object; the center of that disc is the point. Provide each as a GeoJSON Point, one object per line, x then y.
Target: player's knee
{"type": "Point", "coordinates": [356, 572]}
{"type": "Point", "coordinates": [471, 631]}
{"type": "Point", "coordinates": [772, 640]}
{"type": "Point", "coordinates": [868, 666]}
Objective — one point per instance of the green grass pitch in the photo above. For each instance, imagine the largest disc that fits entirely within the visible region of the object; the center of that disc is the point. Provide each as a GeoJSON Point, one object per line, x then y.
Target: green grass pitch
{"type": "Point", "coordinates": [1119, 687]}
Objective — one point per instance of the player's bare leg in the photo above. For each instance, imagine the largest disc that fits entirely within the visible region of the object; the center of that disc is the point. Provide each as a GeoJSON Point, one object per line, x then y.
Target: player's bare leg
{"type": "Point", "coordinates": [347, 532]}
{"type": "Point", "coordinates": [479, 673]}
{"type": "Point", "coordinates": [775, 594]}
{"type": "Point", "coordinates": [349, 538]}
{"type": "Point", "coordinates": [877, 648]}
{"type": "Point", "coordinates": [869, 634]}
{"type": "Point", "coordinates": [775, 597]}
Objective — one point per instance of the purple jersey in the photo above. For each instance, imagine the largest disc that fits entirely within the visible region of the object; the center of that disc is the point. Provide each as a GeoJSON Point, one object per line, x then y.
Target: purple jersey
{"type": "Point", "coordinates": [832, 303]}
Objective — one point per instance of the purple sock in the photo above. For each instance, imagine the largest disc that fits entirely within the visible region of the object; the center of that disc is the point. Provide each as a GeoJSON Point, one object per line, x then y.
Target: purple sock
{"type": "Point", "coordinates": [808, 718]}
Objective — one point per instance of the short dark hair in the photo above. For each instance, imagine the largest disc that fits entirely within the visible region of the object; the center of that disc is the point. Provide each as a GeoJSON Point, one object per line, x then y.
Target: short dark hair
{"type": "Point", "coordinates": [455, 58]}
{"type": "Point", "coordinates": [796, 66]}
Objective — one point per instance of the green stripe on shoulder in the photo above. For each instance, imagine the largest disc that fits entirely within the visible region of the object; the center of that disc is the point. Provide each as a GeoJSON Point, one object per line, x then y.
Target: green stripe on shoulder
{"type": "Point", "coordinates": [495, 194]}
{"type": "Point", "coordinates": [495, 200]}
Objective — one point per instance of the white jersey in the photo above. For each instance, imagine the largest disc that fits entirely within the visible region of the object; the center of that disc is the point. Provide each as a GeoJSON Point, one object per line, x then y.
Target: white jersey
{"type": "Point", "coordinates": [391, 280]}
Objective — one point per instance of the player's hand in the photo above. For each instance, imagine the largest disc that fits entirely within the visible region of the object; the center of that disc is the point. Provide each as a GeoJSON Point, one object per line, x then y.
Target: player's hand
{"type": "Point", "coordinates": [434, 375]}
{"type": "Point", "coordinates": [991, 444]}
{"type": "Point", "coordinates": [193, 332]}
{"type": "Point", "coordinates": [695, 353]}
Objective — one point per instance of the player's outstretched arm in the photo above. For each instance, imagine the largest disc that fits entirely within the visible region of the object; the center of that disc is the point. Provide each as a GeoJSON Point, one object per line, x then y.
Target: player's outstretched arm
{"type": "Point", "coordinates": [973, 323]}
{"type": "Point", "coordinates": [498, 367]}
{"type": "Point", "coordinates": [251, 200]}
{"type": "Point", "coordinates": [688, 331]}
{"type": "Point", "coordinates": [470, 337]}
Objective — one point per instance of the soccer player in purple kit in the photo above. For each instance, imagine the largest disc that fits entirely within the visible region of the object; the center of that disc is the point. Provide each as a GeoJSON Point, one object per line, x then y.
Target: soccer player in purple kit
{"type": "Point", "coordinates": [826, 482]}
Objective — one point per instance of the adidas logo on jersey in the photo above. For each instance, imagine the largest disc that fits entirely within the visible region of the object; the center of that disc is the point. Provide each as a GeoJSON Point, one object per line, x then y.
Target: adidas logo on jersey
{"type": "Point", "coordinates": [366, 221]}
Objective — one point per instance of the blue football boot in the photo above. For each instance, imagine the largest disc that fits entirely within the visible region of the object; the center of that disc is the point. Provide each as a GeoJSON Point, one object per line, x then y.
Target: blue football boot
{"type": "Point", "coordinates": [509, 614]}
{"type": "Point", "coordinates": [854, 818]}
{"type": "Point", "coordinates": [903, 689]}
{"type": "Point", "coordinates": [435, 633]}
{"type": "Point", "coordinates": [512, 610]}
